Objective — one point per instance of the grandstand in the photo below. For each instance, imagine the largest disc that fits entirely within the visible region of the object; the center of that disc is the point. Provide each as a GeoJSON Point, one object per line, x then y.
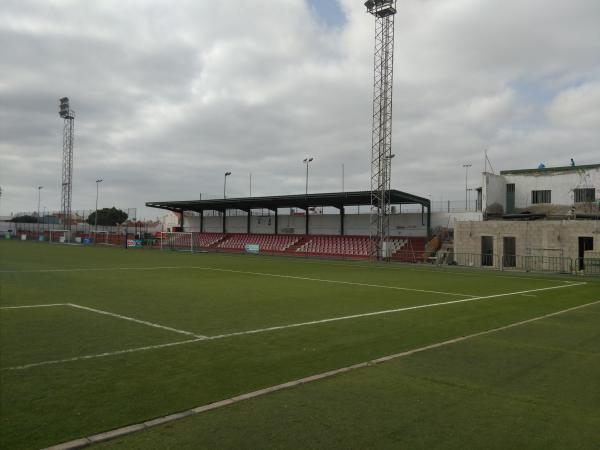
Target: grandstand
{"type": "Point", "coordinates": [351, 241]}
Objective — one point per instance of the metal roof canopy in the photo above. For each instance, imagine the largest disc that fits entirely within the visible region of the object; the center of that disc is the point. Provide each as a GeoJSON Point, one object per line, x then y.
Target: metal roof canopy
{"type": "Point", "coordinates": [301, 201]}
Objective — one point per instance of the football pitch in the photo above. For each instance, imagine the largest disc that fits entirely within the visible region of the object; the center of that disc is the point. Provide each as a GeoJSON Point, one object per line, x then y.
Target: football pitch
{"type": "Point", "coordinates": [312, 353]}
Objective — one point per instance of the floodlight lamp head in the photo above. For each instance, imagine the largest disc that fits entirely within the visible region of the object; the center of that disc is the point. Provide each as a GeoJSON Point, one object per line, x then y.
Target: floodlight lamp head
{"type": "Point", "coordinates": [381, 8]}
{"type": "Point", "coordinates": [227, 174]}
{"type": "Point", "coordinates": [64, 108]}
{"type": "Point", "coordinates": [99, 180]}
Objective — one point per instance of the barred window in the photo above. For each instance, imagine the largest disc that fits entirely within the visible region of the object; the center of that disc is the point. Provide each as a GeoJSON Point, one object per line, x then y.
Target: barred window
{"type": "Point", "coordinates": [584, 195]}
{"type": "Point", "coordinates": [541, 197]}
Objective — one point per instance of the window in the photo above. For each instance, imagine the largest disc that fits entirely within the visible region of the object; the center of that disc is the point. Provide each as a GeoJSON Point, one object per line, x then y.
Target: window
{"type": "Point", "coordinates": [541, 197]}
{"type": "Point", "coordinates": [584, 195]}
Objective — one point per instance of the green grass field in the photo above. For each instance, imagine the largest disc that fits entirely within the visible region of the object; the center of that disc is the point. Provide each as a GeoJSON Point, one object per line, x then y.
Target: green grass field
{"type": "Point", "coordinates": [134, 335]}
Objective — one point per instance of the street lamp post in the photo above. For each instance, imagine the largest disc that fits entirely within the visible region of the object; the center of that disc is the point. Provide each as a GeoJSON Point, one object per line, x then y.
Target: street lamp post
{"type": "Point", "coordinates": [307, 161]}
{"type": "Point", "coordinates": [98, 181]}
{"type": "Point", "coordinates": [225, 184]}
{"type": "Point", "coordinates": [466, 166]}
{"type": "Point", "coordinates": [38, 215]}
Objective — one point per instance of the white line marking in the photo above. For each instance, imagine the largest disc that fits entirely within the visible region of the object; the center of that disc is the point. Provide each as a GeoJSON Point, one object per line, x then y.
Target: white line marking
{"type": "Point", "coordinates": [107, 313]}
{"type": "Point", "coordinates": [33, 306]}
{"type": "Point", "coordinates": [458, 270]}
{"type": "Point", "coordinates": [279, 327]}
{"type": "Point", "coordinates": [130, 429]}
{"type": "Point", "coordinates": [387, 311]}
{"type": "Point", "coordinates": [102, 355]}
{"type": "Point", "coordinates": [131, 319]}
{"type": "Point", "coordinates": [322, 280]}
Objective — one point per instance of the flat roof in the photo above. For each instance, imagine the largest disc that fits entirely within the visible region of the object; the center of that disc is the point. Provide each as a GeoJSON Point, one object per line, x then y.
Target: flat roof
{"type": "Point", "coordinates": [550, 170]}
{"type": "Point", "coordinates": [302, 201]}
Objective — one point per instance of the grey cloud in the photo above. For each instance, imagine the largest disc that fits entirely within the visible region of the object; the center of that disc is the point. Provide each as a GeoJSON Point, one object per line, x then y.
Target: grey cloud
{"type": "Point", "coordinates": [169, 95]}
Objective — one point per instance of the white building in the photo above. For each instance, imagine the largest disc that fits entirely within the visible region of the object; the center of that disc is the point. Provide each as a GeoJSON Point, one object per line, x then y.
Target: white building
{"type": "Point", "coordinates": [552, 191]}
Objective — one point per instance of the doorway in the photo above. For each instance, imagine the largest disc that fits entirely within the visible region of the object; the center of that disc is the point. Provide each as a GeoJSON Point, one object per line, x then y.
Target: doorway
{"type": "Point", "coordinates": [509, 258]}
{"type": "Point", "coordinates": [487, 250]}
{"type": "Point", "coordinates": [510, 198]}
{"type": "Point", "coordinates": [585, 244]}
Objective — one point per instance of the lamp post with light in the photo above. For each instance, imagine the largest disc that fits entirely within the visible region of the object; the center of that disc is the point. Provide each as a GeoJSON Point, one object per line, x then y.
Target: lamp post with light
{"type": "Point", "coordinates": [98, 181]}
{"type": "Point", "coordinates": [38, 214]}
{"type": "Point", "coordinates": [307, 161]}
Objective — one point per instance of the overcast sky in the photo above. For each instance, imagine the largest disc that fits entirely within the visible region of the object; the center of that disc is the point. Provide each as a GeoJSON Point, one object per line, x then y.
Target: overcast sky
{"type": "Point", "coordinates": [169, 95]}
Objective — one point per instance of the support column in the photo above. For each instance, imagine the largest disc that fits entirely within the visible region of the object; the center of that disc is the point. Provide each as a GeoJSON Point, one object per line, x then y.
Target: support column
{"type": "Point", "coordinates": [429, 221]}
{"type": "Point", "coordinates": [342, 215]}
{"type": "Point", "coordinates": [224, 221]}
{"type": "Point", "coordinates": [181, 220]}
{"type": "Point", "coordinates": [202, 221]}
{"type": "Point", "coordinates": [276, 222]}
{"type": "Point", "coordinates": [249, 220]}
{"type": "Point", "coordinates": [307, 220]}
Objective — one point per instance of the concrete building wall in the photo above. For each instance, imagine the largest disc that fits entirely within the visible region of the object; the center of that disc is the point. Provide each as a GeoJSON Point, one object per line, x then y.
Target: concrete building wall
{"type": "Point", "coordinates": [494, 193]}
{"type": "Point", "coordinates": [562, 184]}
{"type": "Point", "coordinates": [538, 238]}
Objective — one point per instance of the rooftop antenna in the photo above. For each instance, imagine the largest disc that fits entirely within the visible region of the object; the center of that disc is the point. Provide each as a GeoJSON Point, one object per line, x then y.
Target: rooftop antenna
{"type": "Point", "coordinates": [487, 161]}
{"type": "Point", "coordinates": [381, 134]}
{"type": "Point", "coordinates": [68, 115]}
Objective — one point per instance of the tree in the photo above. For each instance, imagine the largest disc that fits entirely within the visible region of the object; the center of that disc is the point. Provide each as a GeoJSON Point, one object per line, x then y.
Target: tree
{"type": "Point", "coordinates": [108, 217]}
{"type": "Point", "coordinates": [25, 219]}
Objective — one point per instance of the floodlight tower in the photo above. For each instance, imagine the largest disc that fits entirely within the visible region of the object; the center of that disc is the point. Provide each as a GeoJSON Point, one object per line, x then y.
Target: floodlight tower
{"type": "Point", "coordinates": [67, 160]}
{"type": "Point", "coordinates": [381, 135]}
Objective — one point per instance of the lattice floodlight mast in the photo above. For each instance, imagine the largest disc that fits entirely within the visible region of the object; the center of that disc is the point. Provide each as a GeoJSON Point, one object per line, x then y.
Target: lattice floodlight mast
{"type": "Point", "coordinates": [67, 160]}
{"type": "Point", "coordinates": [381, 137]}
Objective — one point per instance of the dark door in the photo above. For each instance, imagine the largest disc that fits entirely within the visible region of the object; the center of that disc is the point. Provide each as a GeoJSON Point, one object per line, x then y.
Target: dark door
{"type": "Point", "coordinates": [487, 250]}
{"type": "Point", "coordinates": [510, 198]}
{"type": "Point", "coordinates": [509, 258]}
{"type": "Point", "coordinates": [585, 244]}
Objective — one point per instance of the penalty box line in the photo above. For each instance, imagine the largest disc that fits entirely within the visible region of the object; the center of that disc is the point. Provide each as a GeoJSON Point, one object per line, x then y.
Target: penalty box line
{"type": "Point", "coordinates": [131, 319]}
{"type": "Point", "coordinates": [279, 327]}
{"type": "Point", "coordinates": [111, 314]}
{"type": "Point", "coordinates": [136, 428]}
